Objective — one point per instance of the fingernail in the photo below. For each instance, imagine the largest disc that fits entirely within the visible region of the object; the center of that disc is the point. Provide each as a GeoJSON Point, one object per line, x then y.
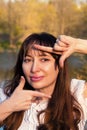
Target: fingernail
{"type": "Point", "coordinates": [22, 77]}
{"type": "Point", "coordinates": [57, 40]}
{"type": "Point", "coordinates": [49, 96]}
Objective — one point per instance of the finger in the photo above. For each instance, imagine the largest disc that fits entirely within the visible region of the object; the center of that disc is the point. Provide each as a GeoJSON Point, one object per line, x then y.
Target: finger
{"type": "Point", "coordinates": [29, 97]}
{"type": "Point", "coordinates": [65, 39]}
{"type": "Point", "coordinates": [47, 49]}
{"type": "Point", "coordinates": [39, 94]}
{"type": "Point", "coordinates": [60, 43]}
{"type": "Point", "coordinates": [62, 59]}
{"type": "Point", "coordinates": [44, 48]}
{"type": "Point", "coordinates": [22, 83]}
{"type": "Point", "coordinates": [59, 48]}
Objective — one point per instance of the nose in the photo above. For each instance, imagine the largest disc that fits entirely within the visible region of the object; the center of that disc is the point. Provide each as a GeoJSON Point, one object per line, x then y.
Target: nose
{"type": "Point", "coordinates": [35, 66]}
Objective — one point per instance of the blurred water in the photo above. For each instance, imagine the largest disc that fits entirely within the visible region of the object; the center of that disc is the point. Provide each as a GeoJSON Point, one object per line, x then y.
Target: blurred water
{"type": "Point", "coordinates": [7, 62]}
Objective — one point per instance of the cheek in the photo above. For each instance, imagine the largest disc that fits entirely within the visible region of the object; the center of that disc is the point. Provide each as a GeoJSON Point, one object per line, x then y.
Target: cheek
{"type": "Point", "coordinates": [52, 70]}
{"type": "Point", "coordinates": [25, 69]}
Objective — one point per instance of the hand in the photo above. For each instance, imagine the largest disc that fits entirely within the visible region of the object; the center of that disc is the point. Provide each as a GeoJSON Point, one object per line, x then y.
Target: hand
{"type": "Point", "coordinates": [65, 46]}
{"type": "Point", "coordinates": [22, 99]}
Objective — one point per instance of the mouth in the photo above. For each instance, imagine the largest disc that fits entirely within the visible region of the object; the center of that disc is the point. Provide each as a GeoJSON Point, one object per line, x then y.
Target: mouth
{"type": "Point", "coordinates": [36, 78]}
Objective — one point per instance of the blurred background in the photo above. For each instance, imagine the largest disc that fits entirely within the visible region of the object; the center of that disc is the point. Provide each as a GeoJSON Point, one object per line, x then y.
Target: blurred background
{"type": "Point", "coordinates": [19, 18]}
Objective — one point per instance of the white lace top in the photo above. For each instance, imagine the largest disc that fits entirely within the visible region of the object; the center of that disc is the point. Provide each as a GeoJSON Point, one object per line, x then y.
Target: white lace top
{"type": "Point", "coordinates": [30, 121]}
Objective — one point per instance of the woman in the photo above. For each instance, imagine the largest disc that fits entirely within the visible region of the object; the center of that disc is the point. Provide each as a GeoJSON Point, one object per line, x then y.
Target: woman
{"type": "Point", "coordinates": [29, 106]}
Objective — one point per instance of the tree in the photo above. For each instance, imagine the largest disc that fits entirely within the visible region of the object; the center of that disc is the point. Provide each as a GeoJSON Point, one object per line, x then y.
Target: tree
{"type": "Point", "coordinates": [83, 21]}
{"type": "Point", "coordinates": [22, 17]}
{"type": "Point", "coordinates": [66, 15]}
{"type": "Point", "coordinates": [3, 20]}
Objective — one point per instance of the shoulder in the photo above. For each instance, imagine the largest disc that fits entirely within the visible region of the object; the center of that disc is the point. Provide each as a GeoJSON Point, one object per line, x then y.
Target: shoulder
{"type": "Point", "coordinates": [77, 85]}
{"type": "Point", "coordinates": [85, 90]}
{"type": "Point", "coordinates": [79, 91]}
{"type": "Point", "coordinates": [2, 95]}
{"type": "Point", "coordinates": [78, 88]}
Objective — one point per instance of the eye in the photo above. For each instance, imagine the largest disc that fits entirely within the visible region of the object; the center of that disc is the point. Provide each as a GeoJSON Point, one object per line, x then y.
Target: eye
{"type": "Point", "coordinates": [44, 59]}
{"type": "Point", "coordinates": [27, 60]}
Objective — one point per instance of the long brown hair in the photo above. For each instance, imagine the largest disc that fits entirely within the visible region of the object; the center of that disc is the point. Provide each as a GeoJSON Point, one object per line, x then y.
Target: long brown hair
{"type": "Point", "coordinates": [59, 112]}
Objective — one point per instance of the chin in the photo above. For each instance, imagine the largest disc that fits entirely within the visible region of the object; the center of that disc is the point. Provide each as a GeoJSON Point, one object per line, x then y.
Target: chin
{"type": "Point", "coordinates": [37, 87]}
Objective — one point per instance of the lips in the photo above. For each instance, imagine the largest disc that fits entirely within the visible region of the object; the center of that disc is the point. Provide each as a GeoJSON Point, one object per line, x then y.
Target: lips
{"type": "Point", "coordinates": [36, 78]}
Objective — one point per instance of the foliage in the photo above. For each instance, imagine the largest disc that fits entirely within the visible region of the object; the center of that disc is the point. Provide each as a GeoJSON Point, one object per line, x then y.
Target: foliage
{"type": "Point", "coordinates": [79, 71]}
{"type": "Point", "coordinates": [20, 18]}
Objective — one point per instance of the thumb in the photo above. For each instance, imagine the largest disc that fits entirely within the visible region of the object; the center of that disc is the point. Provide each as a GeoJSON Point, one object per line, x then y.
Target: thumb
{"type": "Point", "coordinates": [62, 59]}
{"type": "Point", "coordinates": [22, 83]}
{"type": "Point", "coordinates": [65, 55]}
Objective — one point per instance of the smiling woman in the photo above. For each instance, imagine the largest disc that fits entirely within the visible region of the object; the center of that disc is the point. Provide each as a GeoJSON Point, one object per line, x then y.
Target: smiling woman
{"type": "Point", "coordinates": [40, 94]}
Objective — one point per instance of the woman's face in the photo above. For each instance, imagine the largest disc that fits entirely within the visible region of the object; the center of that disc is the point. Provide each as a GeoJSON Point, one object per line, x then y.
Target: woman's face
{"type": "Point", "coordinates": [40, 70]}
